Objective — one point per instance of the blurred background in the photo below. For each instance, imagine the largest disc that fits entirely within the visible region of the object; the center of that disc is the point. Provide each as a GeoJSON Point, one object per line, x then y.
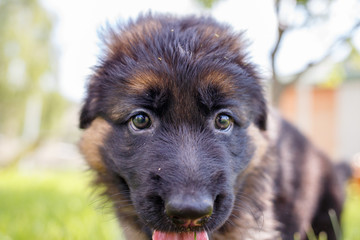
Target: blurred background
{"type": "Point", "coordinates": [308, 52]}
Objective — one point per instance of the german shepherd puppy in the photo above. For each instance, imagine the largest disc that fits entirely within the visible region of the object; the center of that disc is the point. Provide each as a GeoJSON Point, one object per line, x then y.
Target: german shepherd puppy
{"type": "Point", "coordinates": [178, 131]}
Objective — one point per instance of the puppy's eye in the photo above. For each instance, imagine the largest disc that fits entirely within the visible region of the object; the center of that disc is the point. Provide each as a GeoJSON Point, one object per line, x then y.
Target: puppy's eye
{"type": "Point", "coordinates": [223, 122]}
{"type": "Point", "coordinates": [140, 121]}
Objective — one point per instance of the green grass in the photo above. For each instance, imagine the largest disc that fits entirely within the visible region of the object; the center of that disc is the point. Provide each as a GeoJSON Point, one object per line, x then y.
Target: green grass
{"type": "Point", "coordinates": [52, 206]}
{"type": "Point", "coordinates": [351, 216]}
{"type": "Point", "coordinates": [57, 205]}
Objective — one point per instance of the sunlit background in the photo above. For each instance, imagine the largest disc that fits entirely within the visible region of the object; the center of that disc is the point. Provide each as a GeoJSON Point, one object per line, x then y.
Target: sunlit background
{"type": "Point", "coordinates": [308, 52]}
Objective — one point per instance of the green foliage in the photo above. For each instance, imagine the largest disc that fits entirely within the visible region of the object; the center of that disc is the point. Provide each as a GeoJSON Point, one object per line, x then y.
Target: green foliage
{"type": "Point", "coordinates": [52, 206]}
{"type": "Point", "coordinates": [207, 3]}
{"type": "Point", "coordinates": [302, 2]}
{"type": "Point", "coordinates": [335, 78]}
{"type": "Point", "coordinates": [54, 106]}
{"type": "Point", "coordinates": [27, 67]}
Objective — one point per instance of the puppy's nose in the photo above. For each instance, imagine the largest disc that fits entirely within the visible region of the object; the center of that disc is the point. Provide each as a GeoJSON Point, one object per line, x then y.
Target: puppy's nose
{"type": "Point", "coordinates": [189, 210]}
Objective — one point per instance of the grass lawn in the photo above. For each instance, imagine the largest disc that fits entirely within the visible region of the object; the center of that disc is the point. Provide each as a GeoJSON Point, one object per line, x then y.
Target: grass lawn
{"type": "Point", "coordinates": [52, 206]}
{"type": "Point", "coordinates": [61, 206]}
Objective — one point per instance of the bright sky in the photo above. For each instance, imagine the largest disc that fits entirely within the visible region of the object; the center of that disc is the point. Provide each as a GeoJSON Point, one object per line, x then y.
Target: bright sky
{"type": "Point", "coordinates": [77, 22]}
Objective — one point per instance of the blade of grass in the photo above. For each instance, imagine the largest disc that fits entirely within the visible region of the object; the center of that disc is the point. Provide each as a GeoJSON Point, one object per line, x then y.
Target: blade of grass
{"type": "Point", "coordinates": [335, 224]}
{"type": "Point", "coordinates": [311, 234]}
{"type": "Point", "coordinates": [322, 236]}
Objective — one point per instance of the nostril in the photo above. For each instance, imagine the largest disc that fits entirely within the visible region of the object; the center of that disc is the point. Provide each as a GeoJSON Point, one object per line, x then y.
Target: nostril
{"type": "Point", "coordinates": [155, 177]}
{"type": "Point", "coordinates": [185, 208]}
{"type": "Point", "coordinates": [219, 198]}
{"type": "Point", "coordinates": [179, 221]}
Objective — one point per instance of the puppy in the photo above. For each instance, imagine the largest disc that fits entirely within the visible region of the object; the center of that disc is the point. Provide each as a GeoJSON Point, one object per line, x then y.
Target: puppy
{"type": "Point", "coordinates": [178, 131]}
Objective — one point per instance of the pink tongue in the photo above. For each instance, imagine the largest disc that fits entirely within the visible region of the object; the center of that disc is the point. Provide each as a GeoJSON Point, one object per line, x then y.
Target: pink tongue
{"type": "Point", "coordinates": [180, 236]}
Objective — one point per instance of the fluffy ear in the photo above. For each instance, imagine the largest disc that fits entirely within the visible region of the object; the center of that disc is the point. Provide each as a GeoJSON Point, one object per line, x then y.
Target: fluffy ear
{"type": "Point", "coordinates": [90, 108]}
{"type": "Point", "coordinates": [260, 119]}
{"type": "Point", "coordinates": [257, 102]}
{"type": "Point", "coordinates": [251, 81]}
{"type": "Point", "coordinates": [88, 113]}
{"type": "Point", "coordinates": [259, 105]}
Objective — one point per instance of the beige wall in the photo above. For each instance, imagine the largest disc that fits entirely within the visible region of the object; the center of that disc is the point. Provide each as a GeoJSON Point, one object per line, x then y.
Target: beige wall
{"type": "Point", "coordinates": [348, 118]}
{"type": "Point", "coordinates": [329, 117]}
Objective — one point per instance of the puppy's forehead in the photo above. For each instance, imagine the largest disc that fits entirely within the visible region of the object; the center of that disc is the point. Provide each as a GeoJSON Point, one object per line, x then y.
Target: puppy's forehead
{"type": "Point", "coordinates": [167, 95]}
{"type": "Point", "coordinates": [173, 91]}
{"type": "Point", "coordinates": [185, 65]}
{"type": "Point", "coordinates": [184, 56]}
{"type": "Point", "coordinates": [156, 90]}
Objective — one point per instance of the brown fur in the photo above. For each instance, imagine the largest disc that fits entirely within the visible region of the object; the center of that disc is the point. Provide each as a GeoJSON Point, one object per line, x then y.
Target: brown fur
{"type": "Point", "coordinates": [265, 179]}
{"type": "Point", "coordinates": [92, 142]}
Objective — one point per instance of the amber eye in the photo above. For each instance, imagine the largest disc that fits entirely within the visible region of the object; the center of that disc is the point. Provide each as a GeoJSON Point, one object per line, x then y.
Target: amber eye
{"type": "Point", "coordinates": [140, 121]}
{"type": "Point", "coordinates": [223, 122]}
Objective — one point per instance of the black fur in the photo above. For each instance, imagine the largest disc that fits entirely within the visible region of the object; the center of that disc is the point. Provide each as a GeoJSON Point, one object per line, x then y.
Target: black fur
{"type": "Point", "coordinates": [182, 73]}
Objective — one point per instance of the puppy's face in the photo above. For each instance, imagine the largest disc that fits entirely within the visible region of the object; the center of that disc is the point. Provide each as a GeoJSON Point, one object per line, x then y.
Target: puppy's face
{"type": "Point", "coordinates": [166, 119]}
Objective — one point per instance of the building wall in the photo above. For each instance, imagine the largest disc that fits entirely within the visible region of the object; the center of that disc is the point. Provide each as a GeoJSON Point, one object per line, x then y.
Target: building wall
{"type": "Point", "coordinates": [324, 119]}
{"type": "Point", "coordinates": [330, 118]}
{"type": "Point", "coordinates": [348, 118]}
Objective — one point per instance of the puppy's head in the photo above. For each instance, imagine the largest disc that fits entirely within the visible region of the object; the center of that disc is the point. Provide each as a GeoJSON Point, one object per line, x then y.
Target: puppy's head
{"type": "Point", "coordinates": [166, 122]}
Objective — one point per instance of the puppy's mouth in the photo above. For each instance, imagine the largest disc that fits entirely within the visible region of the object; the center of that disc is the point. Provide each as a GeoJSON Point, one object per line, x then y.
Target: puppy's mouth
{"type": "Point", "coordinates": [157, 235]}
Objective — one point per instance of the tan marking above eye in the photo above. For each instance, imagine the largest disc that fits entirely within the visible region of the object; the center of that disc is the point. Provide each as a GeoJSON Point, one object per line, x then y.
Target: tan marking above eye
{"type": "Point", "coordinates": [220, 80]}
{"type": "Point", "coordinates": [141, 81]}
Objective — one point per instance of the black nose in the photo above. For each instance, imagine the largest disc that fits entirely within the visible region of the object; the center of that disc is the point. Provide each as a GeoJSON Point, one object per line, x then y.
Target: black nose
{"type": "Point", "coordinates": [189, 209]}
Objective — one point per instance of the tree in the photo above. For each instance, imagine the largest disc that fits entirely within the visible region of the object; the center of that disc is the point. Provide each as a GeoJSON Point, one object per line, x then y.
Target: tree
{"type": "Point", "coordinates": [312, 17]}
{"type": "Point", "coordinates": [207, 4]}
{"type": "Point", "coordinates": [30, 104]}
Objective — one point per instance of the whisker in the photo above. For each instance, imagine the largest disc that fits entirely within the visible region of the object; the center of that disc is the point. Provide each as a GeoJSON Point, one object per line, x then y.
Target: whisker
{"type": "Point", "coordinates": [258, 216]}
{"type": "Point", "coordinates": [128, 214]}
{"type": "Point", "coordinates": [124, 206]}
{"type": "Point", "coordinates": [231, 222]}
{"type": "Point", "coordinates": [249, 206]}
{"type": "Point", "coordinates": [124, 192]}
{"type": "Point", "coordinates": [122, 201]}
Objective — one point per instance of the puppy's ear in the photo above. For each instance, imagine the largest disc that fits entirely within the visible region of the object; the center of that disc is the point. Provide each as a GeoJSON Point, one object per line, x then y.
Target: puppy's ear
{"type": "Point", "coordinates": [251, 81]}
{"type": "Point", "coordinates": [88, 113]}
{"type": "Point", "coordinates": [258, 104]}
{"type": "Point", "coordinates": [260, 118]}
{"type": "Point", "coordinates": [90, 108]}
